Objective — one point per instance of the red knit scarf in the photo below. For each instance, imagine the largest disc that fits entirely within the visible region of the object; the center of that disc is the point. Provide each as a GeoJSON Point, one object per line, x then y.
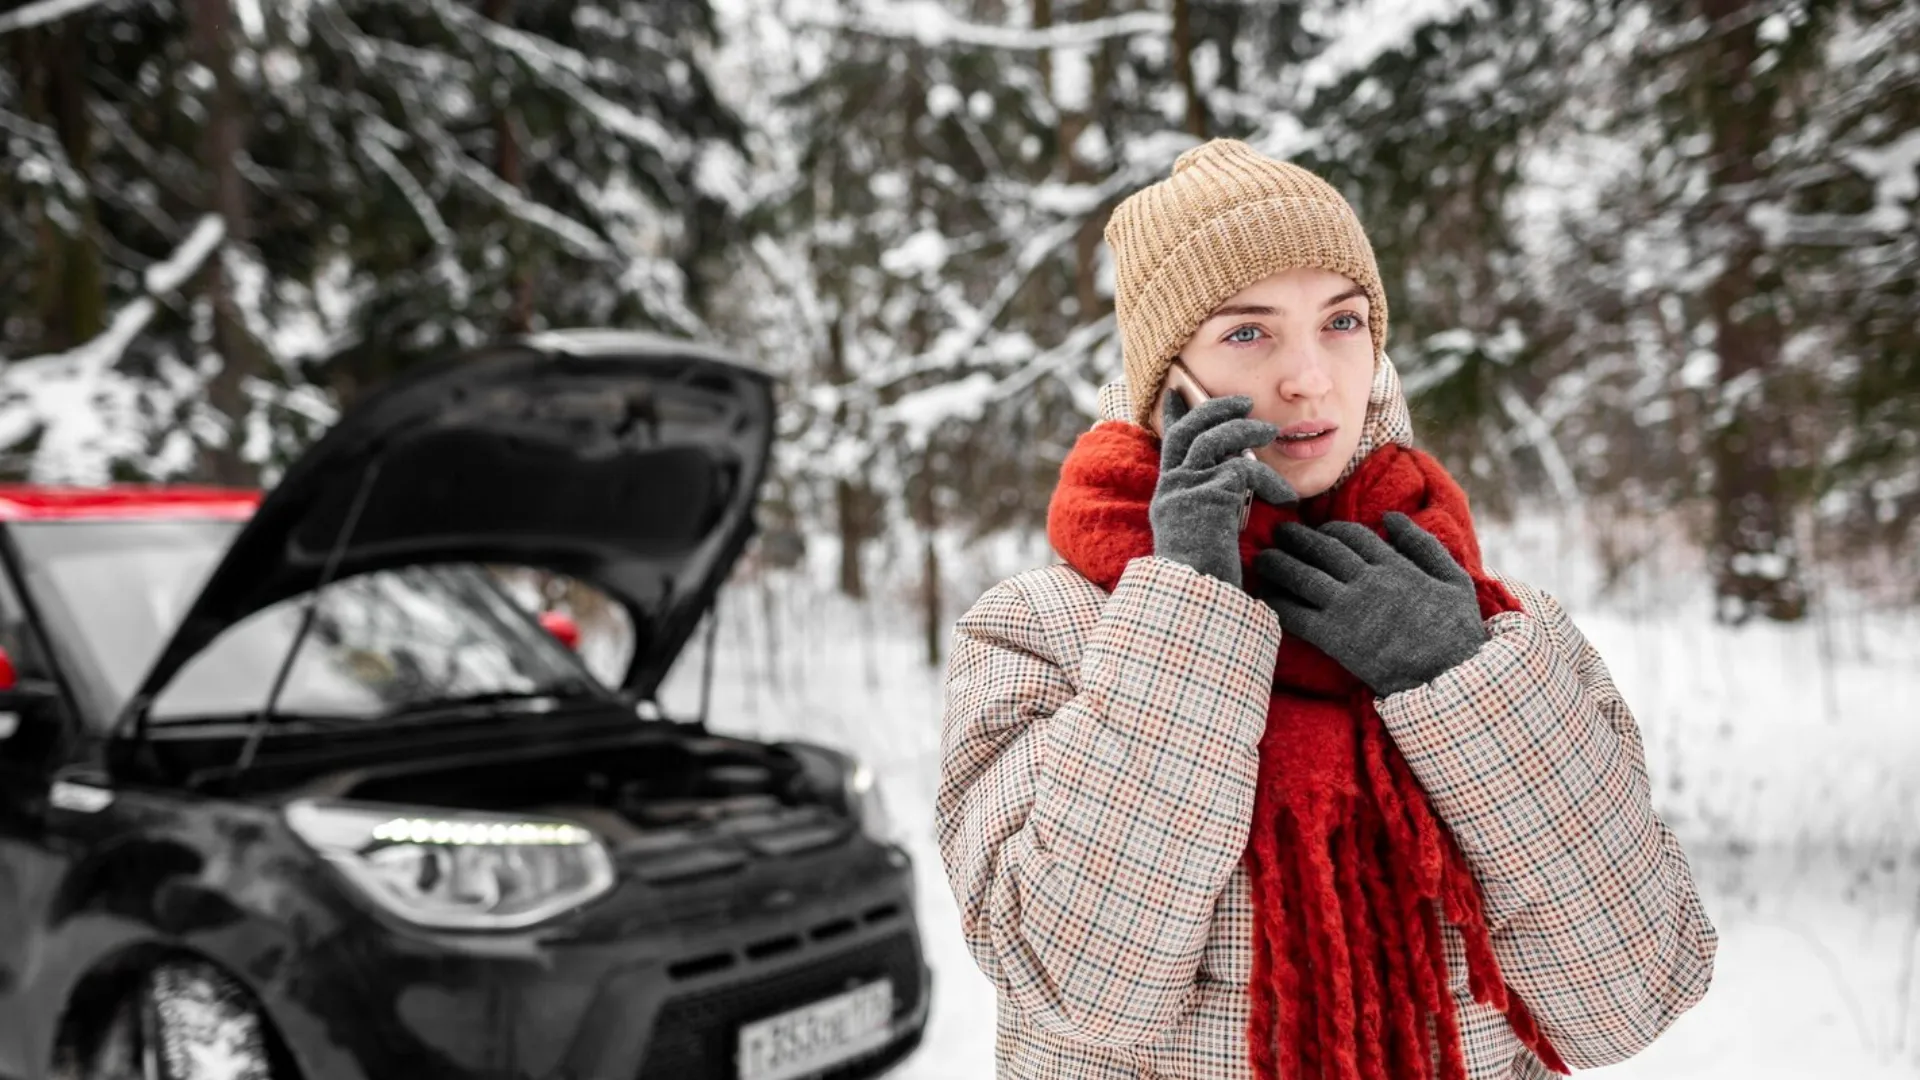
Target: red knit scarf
{"type": "Point", "coordinates": [1351, 870]}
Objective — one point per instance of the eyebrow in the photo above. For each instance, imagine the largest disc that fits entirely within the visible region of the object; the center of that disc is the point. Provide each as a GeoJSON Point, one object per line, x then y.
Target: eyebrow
{"type": "Point", "coordinates": [1262, 309]}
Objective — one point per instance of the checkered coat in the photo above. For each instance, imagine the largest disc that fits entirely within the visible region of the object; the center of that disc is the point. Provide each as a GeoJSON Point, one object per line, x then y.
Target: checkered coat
{"type": "Point", "coordinates": [1097, 779]}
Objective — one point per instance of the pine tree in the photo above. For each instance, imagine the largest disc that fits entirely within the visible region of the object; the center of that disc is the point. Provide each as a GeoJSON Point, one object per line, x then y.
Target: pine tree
{"type": "Point", "coordinates": [521, 164]}
{"type": "Point", "coordinates": [1761, 245]}
{"type": "Point", "coordinates": [388, 181]}
{"type": "Point", "coordinates": [937, 233]}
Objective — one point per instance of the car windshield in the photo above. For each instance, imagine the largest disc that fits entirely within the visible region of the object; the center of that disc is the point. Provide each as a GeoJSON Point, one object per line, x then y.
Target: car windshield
{"type": "Point", "coordinates": [381, 643]}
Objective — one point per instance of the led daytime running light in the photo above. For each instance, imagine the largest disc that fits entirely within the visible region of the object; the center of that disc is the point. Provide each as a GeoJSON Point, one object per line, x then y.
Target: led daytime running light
{"type": "Point", "coordinates": [494, 834]}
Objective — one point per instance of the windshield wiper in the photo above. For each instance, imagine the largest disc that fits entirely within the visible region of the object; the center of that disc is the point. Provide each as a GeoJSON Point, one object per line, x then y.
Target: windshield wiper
{"type": "Point", "coordinates": [248, 720]}
{"type": "Point", "coordinates": [565, 690]}
{"type": "Point", "coordinates": [561, 691]}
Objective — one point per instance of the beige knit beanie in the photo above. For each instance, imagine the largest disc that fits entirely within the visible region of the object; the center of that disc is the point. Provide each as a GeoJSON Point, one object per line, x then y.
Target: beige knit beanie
{"type": "Point", "coordinates": [1226, 217]}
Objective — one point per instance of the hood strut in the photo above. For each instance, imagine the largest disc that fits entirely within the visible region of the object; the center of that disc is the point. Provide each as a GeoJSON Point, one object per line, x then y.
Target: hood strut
{"type": "Point", "coordinates": [706, 665]}
{"type": "Point", "coordinates": [259, 726]}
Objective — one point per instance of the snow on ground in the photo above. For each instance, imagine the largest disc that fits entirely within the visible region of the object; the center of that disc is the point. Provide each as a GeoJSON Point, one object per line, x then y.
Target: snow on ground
{"type": "Point", "coordinates": [1788, 759]}
{"type": "Point", "coordinates": [1815, 975]}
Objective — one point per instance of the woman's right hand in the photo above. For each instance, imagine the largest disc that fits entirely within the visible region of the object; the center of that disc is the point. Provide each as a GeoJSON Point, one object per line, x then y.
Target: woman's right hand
{"type": "Point", "coordinates": [1204, 478]}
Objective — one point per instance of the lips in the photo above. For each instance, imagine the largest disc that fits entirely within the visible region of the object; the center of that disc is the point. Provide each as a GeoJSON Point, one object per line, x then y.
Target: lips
{"type": "Point", "coordinates": [1306, 439]}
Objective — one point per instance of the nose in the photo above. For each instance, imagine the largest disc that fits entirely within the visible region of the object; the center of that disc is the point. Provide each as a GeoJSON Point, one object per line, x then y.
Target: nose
{"type": "Point", "coordinates": [1303, 374]}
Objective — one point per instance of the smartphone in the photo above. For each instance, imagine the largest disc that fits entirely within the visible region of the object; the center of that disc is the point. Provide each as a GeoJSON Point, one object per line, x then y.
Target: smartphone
{"type": "Point", "coordinates": [1181, 381]}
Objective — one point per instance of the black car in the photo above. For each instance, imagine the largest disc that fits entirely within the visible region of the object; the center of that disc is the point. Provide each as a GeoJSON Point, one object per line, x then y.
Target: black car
{"type": "Point", "coordinates": [351, 812]}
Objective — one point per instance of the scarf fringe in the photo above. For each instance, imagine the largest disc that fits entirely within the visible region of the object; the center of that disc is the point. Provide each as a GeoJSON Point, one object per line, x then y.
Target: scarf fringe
{"type": "Point", "coordinates": [1350, 968]}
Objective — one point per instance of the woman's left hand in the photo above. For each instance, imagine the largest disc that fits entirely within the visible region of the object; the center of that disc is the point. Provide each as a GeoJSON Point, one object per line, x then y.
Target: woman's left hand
{"type": "Point", "coordinates": [1396, 616]}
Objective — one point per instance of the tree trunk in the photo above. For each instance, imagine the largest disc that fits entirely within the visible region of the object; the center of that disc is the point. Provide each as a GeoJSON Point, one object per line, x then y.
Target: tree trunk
{"type": "Point", "coordinates": [86, 298]}
{"type": "Point", "coordinates": [918, 334]}
{"type": "Point", "coordinates": [849, 498]}
{"type": "Point", "coordinates": [1043, 20]}
{"type": "Point", "coordinates": [223, 141]}
{"type": "Point", "coordinates": [932, 623]}
{"type": "Point", "coordinates": [1756, 567]}
{"type": "Point", "coordinates": [520, 308]}
{"type": "Point", "coordinates": [1071, 119]}
{"type": "Point", "coordinates": [71, 287]}
{"type": "Point", "coordinates": [1073, 124]}
{"type": "Point", "coordinates": [509, 162]}
{"type": "Point", "coordinates": [1183, 68]}
{"type": "Point", "coordinates": [1035, 307]}
{"type": "Point", "coordinates": [1223, 29]}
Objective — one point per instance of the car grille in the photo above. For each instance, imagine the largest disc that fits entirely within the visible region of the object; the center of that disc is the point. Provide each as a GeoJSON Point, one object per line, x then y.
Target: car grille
{"type": "Point", "coordinates": [693, 1037]}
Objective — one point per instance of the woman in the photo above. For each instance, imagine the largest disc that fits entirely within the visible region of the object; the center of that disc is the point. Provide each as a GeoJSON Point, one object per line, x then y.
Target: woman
{"type": "Point", "coordinates": [1319, 796]}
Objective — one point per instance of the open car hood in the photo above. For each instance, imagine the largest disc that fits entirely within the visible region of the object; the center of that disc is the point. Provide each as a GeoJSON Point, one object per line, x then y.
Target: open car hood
{"type": "Point", "coordinates": [625, 460]}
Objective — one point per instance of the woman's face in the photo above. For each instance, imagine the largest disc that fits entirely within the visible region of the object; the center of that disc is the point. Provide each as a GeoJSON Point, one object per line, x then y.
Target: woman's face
{"type": "Point", "coordinates": [1299, 344]}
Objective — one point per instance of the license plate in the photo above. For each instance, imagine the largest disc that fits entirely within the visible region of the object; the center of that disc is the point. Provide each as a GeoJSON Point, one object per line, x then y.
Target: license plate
{"type": "Point", "coordinates": [817, 1036]}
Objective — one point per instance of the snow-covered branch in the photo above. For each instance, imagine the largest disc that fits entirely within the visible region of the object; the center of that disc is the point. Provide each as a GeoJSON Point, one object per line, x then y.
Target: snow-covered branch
{"type": "Point", "coordinates": [929, 23]}
{"type": "Point", "coordinates": [427, 63]}
{"type": "Point", "coordinates": [1371, 29]}
{"type": "Point", "coordinates": [423, 207]}
{"type": "Point", "coordinates": [160, 279]}
{"type": "Point", "coordinates": [1537, 433]}
{"type": "Point", "coordinates": [1894, 168]}
{"type": "Point", "coordinates": [971, 325]}
{"type": "Point", "coordinates": [68, 393]}
{"type": "Point", "coordinates": [45, 11]}
{"type": "Point", "coordinates": [583, 240]}
{"type": "Point", "coordinates": [167, 276]}
{"type": "Point", "coordinates": [563, 69]}
{"type": "Point", "coordinates": [307, 401]}
{"type": "Point", "coordinates": [967, 399]}
{"type": "Point", "coordinates": [170, 170]}
{"type": "Point", "coordinates": [1884, 222]}
{"type": "Point", "coordinates": [48, 145]}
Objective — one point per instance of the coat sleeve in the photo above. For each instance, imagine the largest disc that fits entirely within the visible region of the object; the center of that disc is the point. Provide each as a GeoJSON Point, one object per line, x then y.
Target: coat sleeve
{"type": "Point", "coordinates": [1089, 816]}
{"type": "Point", "coordinates": [1533, 760]}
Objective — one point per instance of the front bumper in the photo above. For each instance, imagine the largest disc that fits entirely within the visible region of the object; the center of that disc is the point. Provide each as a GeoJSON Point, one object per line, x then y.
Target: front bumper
{"type": "Point", "coordinates": [645, 987]}
{"type": "Point", "coordinates": [693, 1034]}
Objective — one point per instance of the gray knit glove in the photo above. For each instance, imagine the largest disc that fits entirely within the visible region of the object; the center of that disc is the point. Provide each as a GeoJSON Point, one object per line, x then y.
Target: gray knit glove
{"type": "Point", "coordinates": [1204, 480]}
{"type": "Point", "coordinates": [1395, 616]}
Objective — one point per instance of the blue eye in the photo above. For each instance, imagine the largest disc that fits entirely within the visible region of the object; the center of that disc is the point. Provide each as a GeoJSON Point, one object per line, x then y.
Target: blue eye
{"type": "Point", "coordinates": [1346, 322]}
{"type": "Point", "coordinates": [1245, 335]}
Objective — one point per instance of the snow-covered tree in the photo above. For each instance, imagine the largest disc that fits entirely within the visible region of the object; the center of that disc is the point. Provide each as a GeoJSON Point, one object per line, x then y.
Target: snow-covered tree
{"type": "Point", "coordinates": [389, 179]}
{"type": "Point", "coordinates": [1728, 268]}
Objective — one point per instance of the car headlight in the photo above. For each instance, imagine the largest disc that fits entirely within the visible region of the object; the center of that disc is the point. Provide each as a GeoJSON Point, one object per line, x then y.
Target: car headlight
{"type": "Point", "coordinates": [869, 806]}
{"type": "Point", "coordinates": [457, 870]}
